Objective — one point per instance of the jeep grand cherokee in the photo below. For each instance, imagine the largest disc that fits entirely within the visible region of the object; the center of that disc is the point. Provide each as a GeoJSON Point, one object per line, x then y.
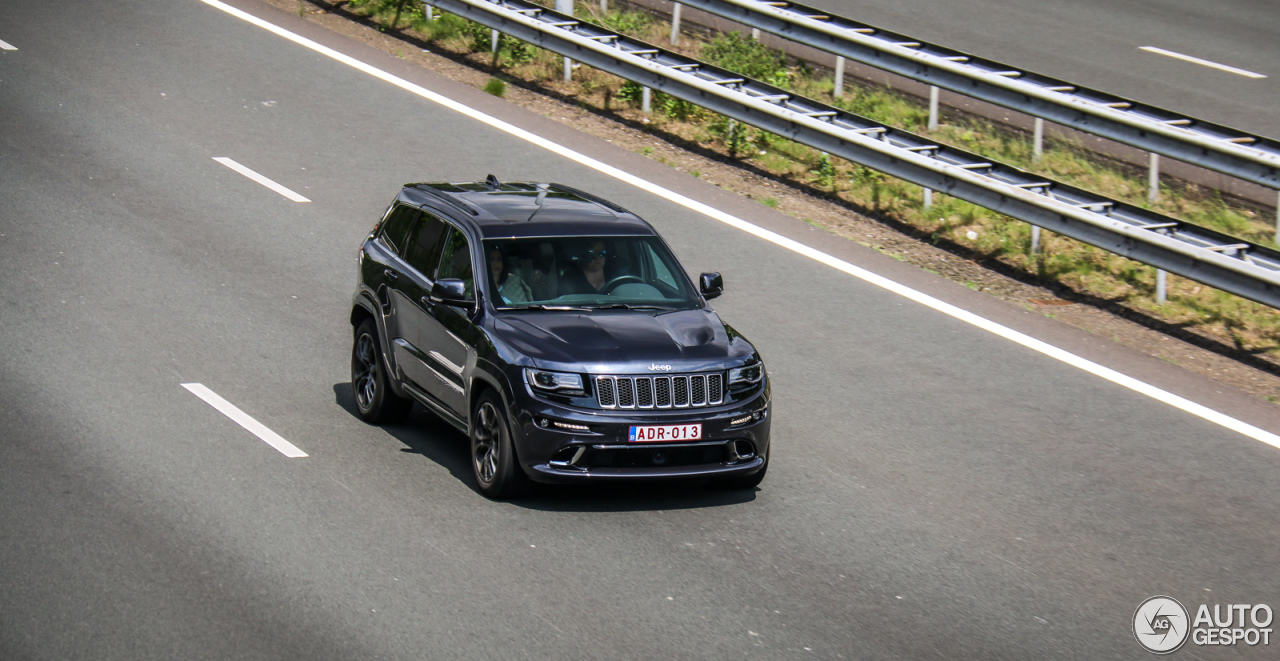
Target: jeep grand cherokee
{"type": "Point", "coordinates": [558, 332]}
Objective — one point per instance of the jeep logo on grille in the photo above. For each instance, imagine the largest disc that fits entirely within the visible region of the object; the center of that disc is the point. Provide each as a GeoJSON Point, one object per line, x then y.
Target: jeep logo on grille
{"type": "Point", "coordinates": [659, 368]}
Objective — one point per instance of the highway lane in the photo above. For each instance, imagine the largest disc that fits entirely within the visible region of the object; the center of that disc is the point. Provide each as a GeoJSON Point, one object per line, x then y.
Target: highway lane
{"type": "Point", "coordinates": [936, 490]}
{"type": "Point", "coordinates": [1096, 43]}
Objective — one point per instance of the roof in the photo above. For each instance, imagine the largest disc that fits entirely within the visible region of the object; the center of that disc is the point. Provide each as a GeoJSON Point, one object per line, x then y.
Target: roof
{"type": "Point", "coordinates": [512, 210]}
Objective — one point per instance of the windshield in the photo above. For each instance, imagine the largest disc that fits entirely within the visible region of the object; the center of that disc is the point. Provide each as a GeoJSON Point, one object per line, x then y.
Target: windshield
{"type": "Point", "coordinates": [586, 272]}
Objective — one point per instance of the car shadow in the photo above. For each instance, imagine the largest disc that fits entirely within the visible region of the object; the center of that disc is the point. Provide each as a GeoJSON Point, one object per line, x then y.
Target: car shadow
{"type": "Point", "coordinates": [425, 434]}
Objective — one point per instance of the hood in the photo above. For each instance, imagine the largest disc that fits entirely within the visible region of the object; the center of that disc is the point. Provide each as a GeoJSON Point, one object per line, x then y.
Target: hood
{"type": "Point", "coordinates": [623, 341]}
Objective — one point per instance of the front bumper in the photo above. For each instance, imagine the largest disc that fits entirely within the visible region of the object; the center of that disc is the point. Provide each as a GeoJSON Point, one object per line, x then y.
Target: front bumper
{"type": "Point", "coordinates": [559, 451]}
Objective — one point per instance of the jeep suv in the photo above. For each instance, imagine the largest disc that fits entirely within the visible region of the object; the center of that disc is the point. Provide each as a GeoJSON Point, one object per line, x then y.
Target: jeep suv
{"type": "Point", "coordinates": [559, 333]}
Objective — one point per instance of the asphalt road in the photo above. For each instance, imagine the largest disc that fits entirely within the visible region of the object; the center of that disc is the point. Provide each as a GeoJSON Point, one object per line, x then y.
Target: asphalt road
{"type": "Point", "coordinates": [1096, 43]}
{"type": "Point", "coordinates": [936, 490]}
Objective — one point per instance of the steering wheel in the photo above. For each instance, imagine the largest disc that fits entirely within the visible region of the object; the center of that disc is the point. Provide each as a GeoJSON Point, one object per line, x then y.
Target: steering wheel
{"type": "Point", "coordinates": [622, 279]}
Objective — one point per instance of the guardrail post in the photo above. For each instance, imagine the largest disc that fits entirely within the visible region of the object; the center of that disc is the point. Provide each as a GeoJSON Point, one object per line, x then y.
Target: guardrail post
{"type": "Point", "coordinates": [1037, 146]}
{"type": "Point", "coordinates": [755, 33]}
{"type": "Point", "coordinates": [1161, 292]}
{"type": "Point", "coordinates": [933, 108]}
{"type": "Point", "coordinates": [837, 87]}
{"type": "Point", "coordinates": [604, 6]}
{"type": "Point", "coordinates": [1277, 216]}
{"type": "Point", "coordinates": [928, 198]}
{"type": "Point", "coordinates": [675, 23]}
{"type": "Point", "coordinates": [645, 98]}
{"type": "Point", "coordinates": [1035, 240]}
{"type": "Point", "coordinates": [493, 41]}
{"type": "Point", "coordinates": [566, 7]}
{"type": "Point", "coordinates": [1153, 179]}
{"type": "Point", "coordinates": [428, 12]}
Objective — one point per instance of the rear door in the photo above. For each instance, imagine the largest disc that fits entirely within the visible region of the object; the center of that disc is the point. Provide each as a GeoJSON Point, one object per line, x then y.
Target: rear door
{"type": "Point", "coordinates": [412, 285]}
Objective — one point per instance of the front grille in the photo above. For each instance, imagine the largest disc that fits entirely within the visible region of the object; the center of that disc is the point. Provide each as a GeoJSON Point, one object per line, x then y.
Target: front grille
{"type": "Point", "coordinates": [660, 392]}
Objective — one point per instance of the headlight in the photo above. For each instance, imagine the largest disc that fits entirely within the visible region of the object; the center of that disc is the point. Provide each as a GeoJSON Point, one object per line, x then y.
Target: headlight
{"type": "Point", "coordinates": [743, 376]}
{"type": "Point", "coordinates": [559, 383]}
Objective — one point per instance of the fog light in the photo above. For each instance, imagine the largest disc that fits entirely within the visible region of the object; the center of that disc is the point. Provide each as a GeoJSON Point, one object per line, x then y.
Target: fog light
{"type": "Point", "coordinates": [544, 422]}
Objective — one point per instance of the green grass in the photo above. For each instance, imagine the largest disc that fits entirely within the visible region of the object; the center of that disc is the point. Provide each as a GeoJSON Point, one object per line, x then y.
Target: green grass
{"type": "Point", "coordinates": [496, 87]}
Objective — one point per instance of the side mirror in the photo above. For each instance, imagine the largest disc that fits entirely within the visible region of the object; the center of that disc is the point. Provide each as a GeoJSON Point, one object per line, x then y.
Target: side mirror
{"type": "Point", "coordinates": [711, 285]}
{"type": "Point", "coordinates": [450, 291]}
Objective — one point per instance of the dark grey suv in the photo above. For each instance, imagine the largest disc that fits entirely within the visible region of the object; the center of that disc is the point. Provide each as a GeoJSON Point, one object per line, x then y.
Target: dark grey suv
{"type": "Point", "coordinates": [558, 332]}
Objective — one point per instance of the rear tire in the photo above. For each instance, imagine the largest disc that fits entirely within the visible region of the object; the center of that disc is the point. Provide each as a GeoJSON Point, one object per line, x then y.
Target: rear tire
{"type": "Point", "coordinates": [375, 402]}
{"type": "Point", "coordinates": [493, 458]}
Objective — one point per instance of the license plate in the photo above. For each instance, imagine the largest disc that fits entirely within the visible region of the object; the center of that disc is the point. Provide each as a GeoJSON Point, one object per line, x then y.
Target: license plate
{"type": "Point", "coordinates": [661, 433]}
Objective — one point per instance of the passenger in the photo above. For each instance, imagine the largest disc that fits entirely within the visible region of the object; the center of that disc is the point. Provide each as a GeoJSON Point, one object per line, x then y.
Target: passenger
{"type": "Point", "coordinates": [510, 288]}
{"type": "Point", "coordinates": [589, 276]}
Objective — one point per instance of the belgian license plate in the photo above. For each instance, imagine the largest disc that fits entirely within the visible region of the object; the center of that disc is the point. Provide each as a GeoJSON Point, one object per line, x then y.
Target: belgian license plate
{"type": "Point", "coordinates": [660, 433]}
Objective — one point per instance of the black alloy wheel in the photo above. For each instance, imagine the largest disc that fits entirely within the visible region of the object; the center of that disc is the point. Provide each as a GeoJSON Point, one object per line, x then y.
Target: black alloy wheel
{"type": "Point", "coordinates": [374, 400]}
{"type": "Point", "coordinates": [493, 458]}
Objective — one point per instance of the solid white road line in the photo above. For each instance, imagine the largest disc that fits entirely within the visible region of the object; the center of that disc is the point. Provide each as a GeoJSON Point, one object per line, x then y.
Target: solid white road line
{"type": "Point", "coordinates": [1196, 60]}
{"type": "Point", "coordinates": [4, 45]}
{"type": "Point", "coordinates": [260, 179]}
{"type": "Point", "coordinates": [245, 420]}
{"type": "Point", "coordinates": [733, 221]}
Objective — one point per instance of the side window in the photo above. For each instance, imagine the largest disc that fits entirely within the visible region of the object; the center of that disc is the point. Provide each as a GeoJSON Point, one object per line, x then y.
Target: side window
{"type": "Point", "coordinates": [456, 260]}
{"type": "Point", "coordinates": [425, 245]}
{"type": "Point", "coordinates": [395, 230]}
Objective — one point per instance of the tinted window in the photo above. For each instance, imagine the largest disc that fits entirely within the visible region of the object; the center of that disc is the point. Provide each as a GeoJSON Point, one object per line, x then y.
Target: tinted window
{"type": "Point", "coordinates": [424, 251]}
{"type": "Point", "coordinates": [659, 269]}
{"type": "Point", "coordinates": [586, 271]}
{"type": "Point", "coordinates": [455, 262]}
{"type": "Point", "coordinates": [395, 229]}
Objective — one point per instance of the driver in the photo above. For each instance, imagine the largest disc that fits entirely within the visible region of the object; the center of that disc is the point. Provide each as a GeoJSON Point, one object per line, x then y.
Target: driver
{"type": "Point", "coordinates": [588, 276]}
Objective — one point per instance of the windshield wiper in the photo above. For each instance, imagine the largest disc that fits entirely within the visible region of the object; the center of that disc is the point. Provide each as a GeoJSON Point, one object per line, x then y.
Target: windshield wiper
{"type": "Point", "coordinates": [539, 306]}
{"type": "Point", "coordinates": [624, 306]}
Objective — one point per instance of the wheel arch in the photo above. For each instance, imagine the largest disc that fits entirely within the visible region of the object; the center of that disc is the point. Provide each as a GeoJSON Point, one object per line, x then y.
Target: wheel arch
{"type": "Point", "coordinates": [363, 308]}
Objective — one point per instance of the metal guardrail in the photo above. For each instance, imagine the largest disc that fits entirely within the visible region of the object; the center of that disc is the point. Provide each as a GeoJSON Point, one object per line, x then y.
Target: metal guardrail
{"type": "Point", "coordinates": [1224, 149]}
{"type": "Point", "coordinates": [1242, 268]}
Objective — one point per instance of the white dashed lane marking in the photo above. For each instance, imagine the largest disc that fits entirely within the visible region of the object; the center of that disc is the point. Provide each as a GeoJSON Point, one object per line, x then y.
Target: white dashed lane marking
{"type": "Point", "coordinates": [1205, 63]}
{"type": "Point", "coordinates": [245, 420]}
{"type": "Point", "coordinates": [260, 179]}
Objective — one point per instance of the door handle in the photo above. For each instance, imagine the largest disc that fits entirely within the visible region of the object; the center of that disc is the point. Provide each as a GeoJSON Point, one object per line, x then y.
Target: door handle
{"type": "Point", "coordinates": [390, 275]}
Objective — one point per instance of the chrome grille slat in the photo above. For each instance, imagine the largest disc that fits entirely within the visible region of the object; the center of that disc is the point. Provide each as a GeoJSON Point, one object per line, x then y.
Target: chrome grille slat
{"type": "Point", "coordinates": [660, 392]}
{"type": "Point", "coordinates": [606, 392]}
{"type": "Point", "coordinates": [644, 393]}
{"type": "Point", "coordinates": [626, 393]}
{"type": "Point", "coordinates": [682, 391]}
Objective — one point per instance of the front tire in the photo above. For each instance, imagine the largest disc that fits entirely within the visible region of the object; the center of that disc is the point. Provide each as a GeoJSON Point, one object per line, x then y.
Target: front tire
{"type": "Point", "coordinates": [493, 458]}
{"type": "Point", "coordinates": [374, 400]}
